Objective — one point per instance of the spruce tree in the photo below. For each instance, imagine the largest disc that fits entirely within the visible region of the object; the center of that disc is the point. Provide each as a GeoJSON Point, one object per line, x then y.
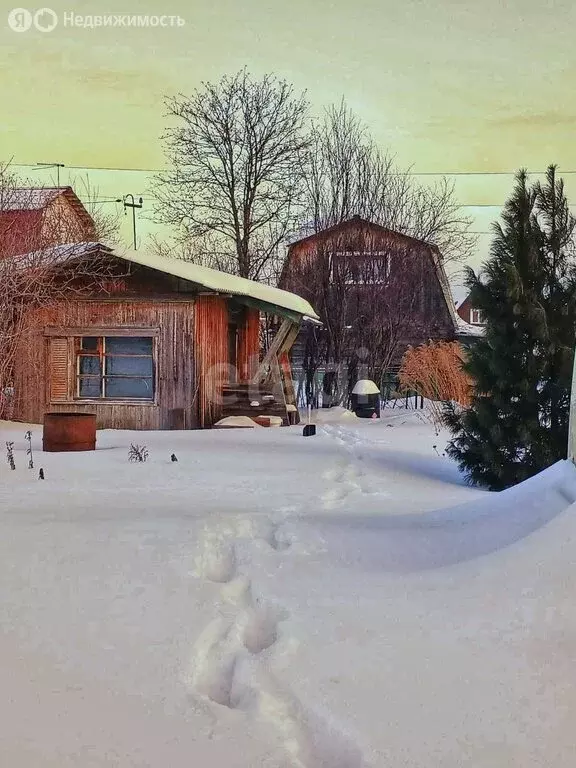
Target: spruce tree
{"type": "Point", "coordinates": [517, 424]}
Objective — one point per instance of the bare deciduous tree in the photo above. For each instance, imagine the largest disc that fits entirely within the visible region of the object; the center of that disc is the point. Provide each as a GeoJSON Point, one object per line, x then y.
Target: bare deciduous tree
{"type": "Point", "coordinates": [347, 175]}
{"type": "Point", "coordinates": [235, 182]}
{"type": "Point", "coordinates": [107, 220]}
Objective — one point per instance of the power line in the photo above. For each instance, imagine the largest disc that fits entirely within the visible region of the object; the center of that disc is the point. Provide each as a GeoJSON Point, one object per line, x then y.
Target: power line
{"type": "Point", "coordinates": [477, 173]}
{"type": "Point", "coordinates": [403, 173]}
{"type": "Point", "coordinates": [407, 173]}
{"type": "Point", "coordinates": [110, 199]}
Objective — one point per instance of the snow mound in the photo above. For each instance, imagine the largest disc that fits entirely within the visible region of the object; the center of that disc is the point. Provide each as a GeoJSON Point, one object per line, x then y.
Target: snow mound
{"type": "Point", "coordinates": [416, 542]}
{"type": "Point", "coordinates": [237, 421]}
{"type": "Point", "coordinates": [268, 601]}
{"type": "Point", "coordinates": [331, 415]}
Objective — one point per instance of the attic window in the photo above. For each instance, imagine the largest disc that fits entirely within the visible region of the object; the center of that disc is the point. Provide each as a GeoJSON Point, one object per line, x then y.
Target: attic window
{"type": "Point", "coordinates": [361, 268]}
{"type": "Point", "coordinates": [115, 368]}
{"type": "Point", "coordinates": [476, 317]}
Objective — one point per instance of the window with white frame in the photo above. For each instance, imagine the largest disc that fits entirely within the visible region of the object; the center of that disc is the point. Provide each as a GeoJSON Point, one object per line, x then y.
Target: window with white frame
{"type": "Point", "coordinates": [361, 268]}
{"type": "Point", "coordinates": [476, 317]}
{"type": "Point", "coordinates": [115, 368]}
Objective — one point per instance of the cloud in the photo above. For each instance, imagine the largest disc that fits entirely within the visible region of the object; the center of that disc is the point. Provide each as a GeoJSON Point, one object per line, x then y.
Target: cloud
{"type": "Point", "coordinates": [549, 119]}
{"type": "Point", "coordinates": [115, 79]}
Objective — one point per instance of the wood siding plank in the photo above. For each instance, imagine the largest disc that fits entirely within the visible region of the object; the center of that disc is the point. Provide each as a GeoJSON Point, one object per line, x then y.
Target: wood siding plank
{"type": "Point", "coordinates": [249, 345]}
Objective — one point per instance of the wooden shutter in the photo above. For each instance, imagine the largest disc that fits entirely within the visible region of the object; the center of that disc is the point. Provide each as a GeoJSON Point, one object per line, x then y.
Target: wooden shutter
{"type": "Point", "coordinates": [58, 369]}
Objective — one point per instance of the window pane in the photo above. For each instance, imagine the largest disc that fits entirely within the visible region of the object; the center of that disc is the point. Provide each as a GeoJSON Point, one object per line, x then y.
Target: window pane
{"type": "Point", "coordinates": [90, 365]}
{"type": "Point", "coordinates": [90, 343]}
{"type": "Point", "coordinates": [129, 366]}
{"type": "Point", "coordinates": [90, 387]}
{"type": "Point", "coordinates": [137, 388]}
{"type": "Point", "coordinates": [128, 345]}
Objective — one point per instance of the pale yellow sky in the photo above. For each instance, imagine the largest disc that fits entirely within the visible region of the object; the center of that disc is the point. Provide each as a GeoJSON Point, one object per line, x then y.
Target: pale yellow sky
{"type": "Point", "coordinates": [445, 86]}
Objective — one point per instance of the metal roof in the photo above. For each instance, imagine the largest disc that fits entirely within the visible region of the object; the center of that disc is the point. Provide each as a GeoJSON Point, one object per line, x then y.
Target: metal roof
{"type": "Point", "coordinates": [205, 277]}
{"type": "Point", "coordinates": [220, 282]}
{"type": "Point", "coordinates": [29, 198]}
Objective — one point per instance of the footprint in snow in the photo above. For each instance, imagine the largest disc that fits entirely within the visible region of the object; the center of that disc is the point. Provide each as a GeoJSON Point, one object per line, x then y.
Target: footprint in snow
{"type": "Point", "coordinates": [334, 496]}
{"type": "Point", "coordinates": [238, 592]}
{"type": "Point", "coordinates": [219, 561]}
{"type": "Point", "coordinates": [214, 664]}
{"type": "Point", "coordinates": [310, 739]}
{"type": "Point", "coordinates": [275, 538]}
{"type": "Point", "coordinates": [259, 627]}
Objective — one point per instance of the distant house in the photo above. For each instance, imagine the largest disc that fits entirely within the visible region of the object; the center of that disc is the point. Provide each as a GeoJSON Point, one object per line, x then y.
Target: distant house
{"type": "Point", "coordinates": [360, 275]}
{"type": "Point", "coordinates": [153, 343]}
{"type": "Point", "coordinates": [470, 321]}
{"type": "Point", "coordinates": [33, 218]}
{"type": "Point", "coordinates": [469, 313]}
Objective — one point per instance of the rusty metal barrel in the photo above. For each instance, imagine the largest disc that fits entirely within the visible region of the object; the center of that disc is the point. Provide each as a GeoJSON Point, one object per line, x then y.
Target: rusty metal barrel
{"type": "Point", "coordinates": [69, 432]}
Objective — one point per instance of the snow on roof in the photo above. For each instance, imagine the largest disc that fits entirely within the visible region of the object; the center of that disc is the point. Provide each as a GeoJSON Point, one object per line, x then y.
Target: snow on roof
{"type": "Point", "coordinates": [212, 279]}
{"type": "Point", "coordinates": [464, 328]}
{"type": "Point", "coordinates": [56, 254]}
{"type": "Point", "coordinates": [444, 285]}
{"type": "Point", "coordinates": [221, 282]}
{"type": "Point", "coordinates": [29, 198]}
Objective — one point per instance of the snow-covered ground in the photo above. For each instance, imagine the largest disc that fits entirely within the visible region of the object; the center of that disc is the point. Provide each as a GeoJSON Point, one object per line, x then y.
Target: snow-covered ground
{"type": "Point", "coordinates": [275, 601]}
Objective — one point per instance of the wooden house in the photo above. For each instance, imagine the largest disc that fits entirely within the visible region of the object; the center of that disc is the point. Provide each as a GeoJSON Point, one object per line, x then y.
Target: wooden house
{"type": "Point", "coordinates": [371, 286]}
{"type": "Point", "coordinates": [378, 256]}
{"type": "Point", "coordinates": [33, 218]}
{"type": "Point", "coordinates": [470, 314]}
{"type": "Point", "coordinates": [153, 343]}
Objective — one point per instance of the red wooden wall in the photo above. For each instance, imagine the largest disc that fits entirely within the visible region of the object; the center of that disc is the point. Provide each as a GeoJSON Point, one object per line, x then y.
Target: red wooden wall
{"type": "Point", "coordinates": [211, 352]}
{"type": "Point", "coordinates": [249, 345]}
{"type": "Point", "coordinates": [36, 393]}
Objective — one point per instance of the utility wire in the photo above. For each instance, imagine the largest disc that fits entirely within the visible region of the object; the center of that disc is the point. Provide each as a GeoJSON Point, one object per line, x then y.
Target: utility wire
{"type": "Point", "coordinates": [110, 199]}
{"type": "Point", "coordinates": [403, 173]}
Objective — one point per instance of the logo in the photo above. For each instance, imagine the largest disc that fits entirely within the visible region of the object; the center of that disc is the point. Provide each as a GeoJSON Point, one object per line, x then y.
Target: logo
{"type": "Point", "coordinates": [21, 19]}
{"type": "Point", "coordinates": [45, 20]}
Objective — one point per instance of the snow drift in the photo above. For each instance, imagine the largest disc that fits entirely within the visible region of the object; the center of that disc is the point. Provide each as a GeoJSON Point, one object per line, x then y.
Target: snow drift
{"type": "Point", "coordinates": [344, 601]}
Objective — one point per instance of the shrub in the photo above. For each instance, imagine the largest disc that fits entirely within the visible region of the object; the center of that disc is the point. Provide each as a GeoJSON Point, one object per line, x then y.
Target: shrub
{"type": "Point", "coordinates": [435, 371]}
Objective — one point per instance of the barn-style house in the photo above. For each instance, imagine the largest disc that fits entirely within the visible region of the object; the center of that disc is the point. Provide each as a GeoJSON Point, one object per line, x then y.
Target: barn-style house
{"type": "Point", "coordinates": [363, 262]}
{"type": "Point", "coordinates": [377, 292]}
{"type": "Point", "coordinates": [154, 343]}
